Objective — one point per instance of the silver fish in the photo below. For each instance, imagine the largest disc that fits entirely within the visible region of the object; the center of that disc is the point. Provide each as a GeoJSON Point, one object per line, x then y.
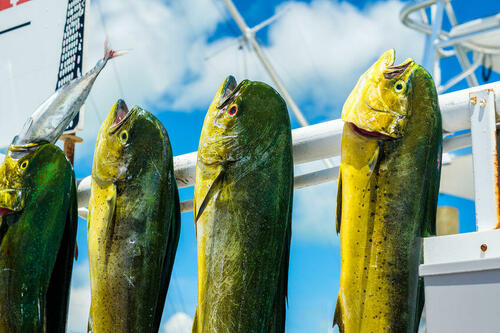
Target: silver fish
{"type": "Point", "coordinates": [50, 119]}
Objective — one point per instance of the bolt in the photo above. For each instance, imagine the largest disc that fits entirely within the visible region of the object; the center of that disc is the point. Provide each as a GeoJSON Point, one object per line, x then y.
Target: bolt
{"type": "Point", "coordinates": [482, 103]}
{"type": "Point", "coordinates": [473, 100]}
{"type": "Point", "coordinates": [484, 247]}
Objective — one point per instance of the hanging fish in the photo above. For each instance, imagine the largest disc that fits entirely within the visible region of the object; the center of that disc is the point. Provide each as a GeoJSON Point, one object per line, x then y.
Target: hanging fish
{"type": "Point", "coordinates": [133, 224]}
{"type": "Point", "coordinates": [243, 209]}
{"type": "Point", "coordinates": [38, 226]}
{"type": "Point", "coordinates": [387, 196]}
{"type": "Point", "coordinates": [54, 115]}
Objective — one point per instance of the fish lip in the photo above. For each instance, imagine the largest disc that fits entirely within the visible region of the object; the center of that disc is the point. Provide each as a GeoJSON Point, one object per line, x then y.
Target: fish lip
{"type": "Point", "coordinates": [392, 71]}
{"type": "Point", "coordinates": [230, 86]}
{"type": "Point", "coordinates": [368, 134]}
{"type": "Point", "coordinates": [115, 126]}
{"type": "Point", "coordinates": [5, 211]}
{"type": "Point", "coordinates": [12, 200]}
{"type": "Point", "coordinates": [230, 97]}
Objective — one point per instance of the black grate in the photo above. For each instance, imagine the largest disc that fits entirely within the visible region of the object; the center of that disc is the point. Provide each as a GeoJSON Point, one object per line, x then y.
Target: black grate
{"type": "Point", "coordinates": [70, 63]}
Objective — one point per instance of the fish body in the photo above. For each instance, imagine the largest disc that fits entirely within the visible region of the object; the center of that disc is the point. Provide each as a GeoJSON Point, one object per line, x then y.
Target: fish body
{"type": "Point", "coordinates": [133, 224]}
{"type": "Point", "coordinates": [387, 196]}
{"type": "Point", "coordinates": [53, 116]}
{"type": "Point", "coordinates": [37, 238]}
{"type": "Point", "coordinates": [242, 208]}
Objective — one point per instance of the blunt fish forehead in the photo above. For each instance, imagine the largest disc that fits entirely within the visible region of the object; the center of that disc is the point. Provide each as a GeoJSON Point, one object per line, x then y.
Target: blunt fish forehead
{"type": "Point", "coordinates": [380, 100]}
{"type": "Point", "coordinates": [108, 155]}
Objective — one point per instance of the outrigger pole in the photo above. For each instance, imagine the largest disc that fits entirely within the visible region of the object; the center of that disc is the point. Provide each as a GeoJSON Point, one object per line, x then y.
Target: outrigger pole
{"type": "Point", "coordinates": [249, 38]}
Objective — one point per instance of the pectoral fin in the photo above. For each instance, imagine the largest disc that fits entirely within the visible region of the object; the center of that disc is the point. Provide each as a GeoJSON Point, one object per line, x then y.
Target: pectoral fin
{"type": "Point", "coordinates": [337, 317]}
{"type": "Point", "coordinates": [372, 164]}
{"type": "Point", "coordinates": [218, 177]}
{"type": "Point", "coordinates": [110, 212]}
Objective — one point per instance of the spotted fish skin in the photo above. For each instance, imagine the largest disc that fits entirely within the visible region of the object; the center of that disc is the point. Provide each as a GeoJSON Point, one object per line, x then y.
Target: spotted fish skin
{"type": "Point", "coordinates": [133, 224]}
{"type": "Point", "coordinates": [37, 238]}
{"type": "Point", "coordinates": [387, 196]}
{"type": "Point", "coordinates": [242, 206]}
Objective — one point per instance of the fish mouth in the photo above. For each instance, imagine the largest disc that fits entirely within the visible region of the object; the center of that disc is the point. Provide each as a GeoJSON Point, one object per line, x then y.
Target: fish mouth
{"type": "Point", "coordinates": [392, 71]}
{"type": "Point", "coordinates": [5, 211]}
{"type": "Point", "coordinates": [231, 91]}
{"type": "Point", "coordinates": [11, 201]}
{"type": "Point", "coordinates": [121, 116]}
{"type": "Point", "coordinates": [368, 134]}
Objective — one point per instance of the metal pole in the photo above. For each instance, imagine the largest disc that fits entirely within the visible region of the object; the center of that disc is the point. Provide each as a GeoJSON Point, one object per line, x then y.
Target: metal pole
{"type": "Point", "coordinates": [249, 36]}
{"type": "Point", "coordinates": [430, 48]}
{"type": "Point", "coordinates": [320, 141]}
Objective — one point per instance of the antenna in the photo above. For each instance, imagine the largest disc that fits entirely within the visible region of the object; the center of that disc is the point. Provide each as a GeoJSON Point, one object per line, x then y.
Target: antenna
{"type": "Point", "coordinates": [249, 38]}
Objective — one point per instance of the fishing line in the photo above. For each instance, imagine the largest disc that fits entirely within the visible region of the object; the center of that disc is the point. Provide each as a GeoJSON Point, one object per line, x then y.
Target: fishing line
{"type": "Point", "coordinates": [310, 57]}
{"type": "Point", "coordinates": [103, 23]}
{"type": "Point", "coordinates": [96, 111]}
{"type": "Point", "coordinates": [299, 85]}
{"type": "Point", "coordinates": [245, 65]}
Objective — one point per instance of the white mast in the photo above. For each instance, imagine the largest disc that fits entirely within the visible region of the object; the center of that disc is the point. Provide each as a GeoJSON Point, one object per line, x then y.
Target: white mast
{"type": "Point", "coordinates": [249, 37]}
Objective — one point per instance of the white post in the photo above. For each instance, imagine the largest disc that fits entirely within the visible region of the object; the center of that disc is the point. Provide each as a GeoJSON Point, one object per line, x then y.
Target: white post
{"type": "Point", "coordinates": [430, 47]}
{"type": "Point", "coordinates": [484, 155]}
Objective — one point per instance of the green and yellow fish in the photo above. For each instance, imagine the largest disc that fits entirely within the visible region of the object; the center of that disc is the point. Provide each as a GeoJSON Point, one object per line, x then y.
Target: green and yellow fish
{"type": "Point", "coordinates": [243, 209]}
{"type": "Point", "coordinates": [387, 195]}
{"type": "Point", "coordinates": [133, 224]}
{"type": "Point", "coordinates": [38, 224]}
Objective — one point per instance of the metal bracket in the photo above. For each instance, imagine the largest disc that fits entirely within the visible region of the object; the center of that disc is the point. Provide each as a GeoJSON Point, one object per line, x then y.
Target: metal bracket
{"type": "Point", "coordinates": [484, 155]}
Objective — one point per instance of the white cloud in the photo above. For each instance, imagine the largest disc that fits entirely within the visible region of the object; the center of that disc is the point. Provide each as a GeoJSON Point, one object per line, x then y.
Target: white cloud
{"type": "Point", "coordinates": [323, 47]}
{"type": "Point", "coordinates": [319, 50]}
{"type": "Point", "coordinates": [314, 209]}
{"type": "Point", "coordinates": [178, 323]}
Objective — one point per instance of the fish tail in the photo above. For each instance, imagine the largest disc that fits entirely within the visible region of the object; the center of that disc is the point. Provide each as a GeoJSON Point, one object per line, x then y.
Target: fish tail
{"type": "Point", "coordinates": [110, 54]}
{"type": "Point", "coordinates": [337, 317]}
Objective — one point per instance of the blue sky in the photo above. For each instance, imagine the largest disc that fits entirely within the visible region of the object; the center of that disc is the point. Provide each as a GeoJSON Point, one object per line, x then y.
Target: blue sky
{"type": "Point", "coordinates": [183, 49]}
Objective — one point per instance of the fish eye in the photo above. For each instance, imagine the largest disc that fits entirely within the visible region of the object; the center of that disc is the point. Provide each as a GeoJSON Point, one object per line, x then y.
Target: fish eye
{"type": "Point", "coordinates": [232, 110]}
{"type": "Point", "coordinates": [123, 136]}
{"type": "Point", "coordinates": [399, 86]}
{"type": "Point", "coordinates": [24, 165]}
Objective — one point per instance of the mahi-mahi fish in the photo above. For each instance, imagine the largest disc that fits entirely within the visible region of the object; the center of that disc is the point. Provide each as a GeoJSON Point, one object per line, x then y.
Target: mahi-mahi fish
{"type": "Point", "coordinates": [387, 195]}
{"type": "Point", "coordinates": [133, 224]}
{"type": "Point", "coordinates": [38, 222]}
{"type": "Point", "coordinates": [242, 209]}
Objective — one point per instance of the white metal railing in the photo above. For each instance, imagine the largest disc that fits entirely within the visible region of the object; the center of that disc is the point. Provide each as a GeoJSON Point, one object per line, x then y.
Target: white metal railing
{"type": "Point", "coordinates": [321, 141]}
{"type": "Point", "coordinates": [481, 36]}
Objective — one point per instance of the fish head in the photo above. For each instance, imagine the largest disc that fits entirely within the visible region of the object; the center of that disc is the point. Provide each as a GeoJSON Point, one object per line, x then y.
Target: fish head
{"type": "Point", "coordinates": [380, 104]}
{"type": "Point", "coordinates": [242, 119]}
{"type": "Point", "coordinates": [16, 176]}
{"type": "Point", "coordinates": [125, 140]}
